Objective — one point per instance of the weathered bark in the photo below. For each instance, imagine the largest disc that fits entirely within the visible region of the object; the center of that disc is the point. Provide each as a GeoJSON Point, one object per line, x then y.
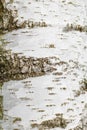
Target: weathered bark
{"type": "Point", "coordinates": [14, 67]}
{"type": "Point", "coordinates": [1, 14]}
{"type": "Point", "coordinates": [6, 17]}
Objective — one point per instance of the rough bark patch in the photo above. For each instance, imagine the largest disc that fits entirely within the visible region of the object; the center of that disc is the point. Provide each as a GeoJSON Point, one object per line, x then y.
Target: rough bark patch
{"type": "Point", "coordinates": [58, 121]}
